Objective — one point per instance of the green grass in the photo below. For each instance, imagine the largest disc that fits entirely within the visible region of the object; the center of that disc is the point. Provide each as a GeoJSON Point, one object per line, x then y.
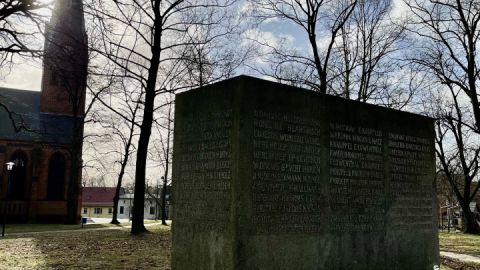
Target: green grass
{"type": "Point", "coordinates": [460, 243]}
{"type": "Point", "coordinates": [26, 228]}
{"type": "Point", "coordinates": [86, 249]}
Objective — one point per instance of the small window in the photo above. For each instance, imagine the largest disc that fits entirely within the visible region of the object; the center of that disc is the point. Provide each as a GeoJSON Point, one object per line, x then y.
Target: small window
{"type": "Point", "coordinates": [121, 209]}
{"type": "Point", "coordinates": [152, 210]}
{"type": "Point", "coordinates": [98, 211]}
{"type": "Point", "coordinates": [110, 211]}
{"type": "Point", "coordinates": [85, 211]}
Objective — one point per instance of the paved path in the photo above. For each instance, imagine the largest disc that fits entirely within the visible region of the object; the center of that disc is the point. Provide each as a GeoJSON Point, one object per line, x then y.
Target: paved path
{"type": "Point", "coordinates": [85, 228]}
{"type": "Point", "coordinates": [460, 257]}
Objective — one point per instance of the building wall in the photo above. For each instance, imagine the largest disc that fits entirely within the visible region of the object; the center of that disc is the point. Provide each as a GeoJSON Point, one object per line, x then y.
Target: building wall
{"type": "Point", "coordinates": [35, 207]}
{"type": "Point", "coordinates": [89, 211]}
{"type": "Point", "coordinates": [127, 205]}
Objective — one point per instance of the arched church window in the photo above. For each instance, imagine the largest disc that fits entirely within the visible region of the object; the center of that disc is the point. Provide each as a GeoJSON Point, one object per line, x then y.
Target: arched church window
{"type": "Point", "coordinates": [53, 77]}
{"type": "Point", "coordinates": [18, 180]}
{"type": "Point", "coordinates": [56, 177]}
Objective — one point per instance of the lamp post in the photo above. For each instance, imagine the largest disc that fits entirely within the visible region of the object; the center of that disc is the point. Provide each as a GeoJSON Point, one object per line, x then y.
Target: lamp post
{"type": "Point", "coordinates": [5, 201]}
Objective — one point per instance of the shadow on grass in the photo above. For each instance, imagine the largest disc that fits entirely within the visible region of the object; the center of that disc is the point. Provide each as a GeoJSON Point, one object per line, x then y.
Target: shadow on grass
{"type": "Point", "coordinates": [88, 249]}
{"type": "Point", "coordinates": [27, 228]}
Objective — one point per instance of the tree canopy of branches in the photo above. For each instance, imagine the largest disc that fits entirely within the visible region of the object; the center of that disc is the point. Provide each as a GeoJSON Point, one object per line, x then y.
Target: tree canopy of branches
{"type": "Point", "coordinates": [367, 60]}
{"type": "Point", "coordinates": [354, 49]}
{"type": "Point", "coordinates": [447, 52]}
{"type": "Point", "coordinates": [319, 20]}
{"type": "Point", "coordinates": [16, 36]}
{"type": "Point", "coordinates": [148, 41]}
{"type": "Point", "coordinates": [18, 39]}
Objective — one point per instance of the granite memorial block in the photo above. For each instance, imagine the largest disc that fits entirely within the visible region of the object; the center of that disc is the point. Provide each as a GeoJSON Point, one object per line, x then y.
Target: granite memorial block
{"type": "Point", "coordinates": [270, 177]}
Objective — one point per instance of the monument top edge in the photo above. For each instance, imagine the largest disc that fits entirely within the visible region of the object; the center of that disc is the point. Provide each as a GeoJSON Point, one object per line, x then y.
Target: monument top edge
{"type": "Point", "coordinates": [249, 80]}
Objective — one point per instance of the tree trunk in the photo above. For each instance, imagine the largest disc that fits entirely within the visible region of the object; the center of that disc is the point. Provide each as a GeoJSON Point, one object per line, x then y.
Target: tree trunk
{"type": "Point", "coordinates": [470, 224]}
{"type": "Point", "coordinates": [167, 161]}
{"type": "Point", "coordinates": [146, 129]}
{"type": "Point", "coordinates": [140, 168]}
{"type": "Point", "coordinates": [164, 202]}
{"type": "Point", "coordinates": [116, 198]}
{"type": "Point", "coordinates": [321, 73]}
{"type": "Point", "coordinates": [122, 172]}
{"type": "Point", "coordinates": [115, 206]}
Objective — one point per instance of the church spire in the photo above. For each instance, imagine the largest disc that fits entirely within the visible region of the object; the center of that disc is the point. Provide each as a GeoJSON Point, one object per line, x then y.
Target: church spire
{"type": "Point", "coordinates": [65, 60]}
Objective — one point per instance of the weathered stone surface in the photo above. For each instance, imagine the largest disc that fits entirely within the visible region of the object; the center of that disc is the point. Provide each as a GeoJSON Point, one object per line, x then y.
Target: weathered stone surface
{"type": "Point", "coordinates": [268, 176]}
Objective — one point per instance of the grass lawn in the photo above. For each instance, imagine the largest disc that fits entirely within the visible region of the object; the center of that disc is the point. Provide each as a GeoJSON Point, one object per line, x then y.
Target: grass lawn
{"type": "Point", "coordinates": [116, 249]}
{"type": "Point", "coordinates": [460, 243]}
{"type": "Point", "coordinates": [24, 228]}
{"type": "Point", "coordinates": [84, 249]}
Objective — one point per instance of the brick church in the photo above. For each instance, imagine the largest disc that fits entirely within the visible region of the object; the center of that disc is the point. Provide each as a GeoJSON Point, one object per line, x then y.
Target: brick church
{"type": "Point", "coordinates": [41, 133]}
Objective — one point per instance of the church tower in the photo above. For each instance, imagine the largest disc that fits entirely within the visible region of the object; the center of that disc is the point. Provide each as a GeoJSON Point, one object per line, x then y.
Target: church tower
{"type": "Point", "coordinates": [65, 61]}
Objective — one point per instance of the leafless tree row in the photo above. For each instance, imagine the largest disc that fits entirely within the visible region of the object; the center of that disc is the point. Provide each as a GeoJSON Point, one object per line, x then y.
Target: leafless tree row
{"type": "Point", "coordinates": [423, 57]}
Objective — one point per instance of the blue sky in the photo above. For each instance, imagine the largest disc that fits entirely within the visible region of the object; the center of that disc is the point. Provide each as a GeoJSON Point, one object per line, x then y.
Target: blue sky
{"type": "Point", "coordinates": [26, 73]}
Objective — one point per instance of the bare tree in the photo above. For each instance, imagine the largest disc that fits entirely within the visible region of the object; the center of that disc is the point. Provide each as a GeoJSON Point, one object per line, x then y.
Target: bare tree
{"type": "Point", "coordinates": [163, 152]}
{"type": "Point", "coordinates": [167, 157]}
{"type": "Point", "coordinates": [208, 60]}
{"type": "Point", "coordinates": [17, 37]}
{"type": "Point", "coordinates": [458, 151]}
{"type": "Point", "coordinates": [450, 31]}
{"type": "Point", "coordinates": [147, 40]}
{"type": "Point", "coordinates": [323, 20]}
{"type": "Point", "coordinates": [448, 34]}
{"type": "Point", "coordinates": [125, 131]}
{"type": "Point", "coordinates": [367, 57]}
{"type": "Point", "coordinates": [20, 30]}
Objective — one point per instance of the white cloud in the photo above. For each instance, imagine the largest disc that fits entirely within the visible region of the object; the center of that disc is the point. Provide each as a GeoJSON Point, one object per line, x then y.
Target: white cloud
{"type": "Point", "coordinates": [26, 75]}
{"type": "Point", "coordinates": [399, 9]}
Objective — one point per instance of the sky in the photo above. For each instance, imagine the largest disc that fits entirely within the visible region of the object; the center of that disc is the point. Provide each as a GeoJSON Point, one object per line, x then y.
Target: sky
{"type": "Point", "coordinates": [27, 73]}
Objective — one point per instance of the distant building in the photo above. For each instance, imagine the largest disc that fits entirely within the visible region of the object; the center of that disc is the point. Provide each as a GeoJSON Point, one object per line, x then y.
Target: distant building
{"type": "Point", "coordinates": [98, 201]}
{"type": "Point", "coordinates": [41, 188]}
{"type": "Point", "coordinates": [125, 205]}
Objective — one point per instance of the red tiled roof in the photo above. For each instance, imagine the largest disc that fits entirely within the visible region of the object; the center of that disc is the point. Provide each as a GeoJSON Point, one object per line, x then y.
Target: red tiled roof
{"type": "Point", "coordinates": [98, 195]}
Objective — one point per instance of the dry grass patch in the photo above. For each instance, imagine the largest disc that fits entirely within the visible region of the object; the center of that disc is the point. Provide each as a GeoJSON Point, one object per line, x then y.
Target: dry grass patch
{"type": "Point", "coordinates": [460, 243]}
{"type": "Point", "coordinates": [117, 249]}
{"type": "Point", "coordinates": [444, 267]}
{"type": "Point", "coordinates": [104, 249]}
{"type": "Point", "coordinates": [26, 228]}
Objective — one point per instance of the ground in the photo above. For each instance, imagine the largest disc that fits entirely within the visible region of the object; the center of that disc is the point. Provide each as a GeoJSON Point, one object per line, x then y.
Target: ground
{"type": "Point", "coordinates": [97, 247]}
{"type": "Point", "coordinates": [461, 243]}
{"type": "Point", "coordinates": [464, 247]}
{"type": "Point", "coordinates": [87, 249]}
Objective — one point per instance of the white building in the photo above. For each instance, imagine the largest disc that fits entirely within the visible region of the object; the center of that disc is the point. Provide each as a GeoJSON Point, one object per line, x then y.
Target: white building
{"type": "Point", "coordinates": [125, 204]}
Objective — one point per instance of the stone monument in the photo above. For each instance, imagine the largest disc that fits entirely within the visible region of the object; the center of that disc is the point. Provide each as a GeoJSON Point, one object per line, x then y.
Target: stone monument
{"type": "Point", "coordinates": [271, 177]}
